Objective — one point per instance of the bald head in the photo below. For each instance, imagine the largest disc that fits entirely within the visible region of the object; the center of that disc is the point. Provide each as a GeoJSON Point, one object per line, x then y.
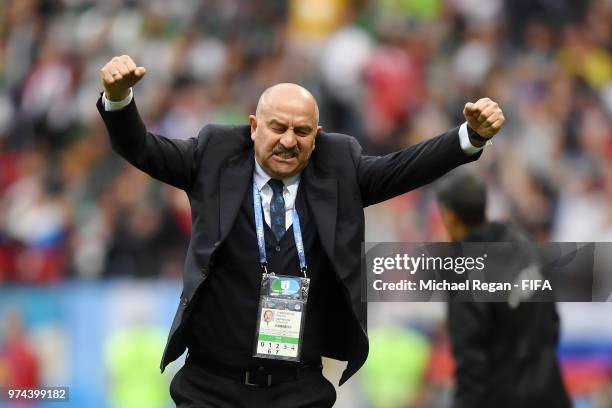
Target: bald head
{"type": "Point", "coordinates": [287, 93]}
{"type": "Point", "coordinates": [284, 129]}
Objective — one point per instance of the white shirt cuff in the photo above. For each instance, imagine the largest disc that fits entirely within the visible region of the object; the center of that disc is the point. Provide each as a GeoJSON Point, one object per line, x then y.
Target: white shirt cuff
{"type": "Point", "coordinates": [110, 106]}
{"type": "Point", "coordinates": [464, 140]}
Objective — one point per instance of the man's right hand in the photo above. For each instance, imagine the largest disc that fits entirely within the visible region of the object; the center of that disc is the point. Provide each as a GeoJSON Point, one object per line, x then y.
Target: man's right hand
{"type": "Point", "coordinates": [118, 76]}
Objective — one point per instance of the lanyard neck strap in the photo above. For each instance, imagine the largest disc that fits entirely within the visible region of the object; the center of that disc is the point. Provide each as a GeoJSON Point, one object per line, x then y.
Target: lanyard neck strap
{"type": "Point", "coordinates": [261, 241]}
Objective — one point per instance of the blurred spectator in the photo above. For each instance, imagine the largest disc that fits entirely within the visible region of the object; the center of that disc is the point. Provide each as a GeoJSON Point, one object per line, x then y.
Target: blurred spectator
{"type": "Point", "coordinates": [19, 366]}
{"type": "Point", "coordinates": [127, 353]}
{"type": "Point", "coordinates": [394, 374]}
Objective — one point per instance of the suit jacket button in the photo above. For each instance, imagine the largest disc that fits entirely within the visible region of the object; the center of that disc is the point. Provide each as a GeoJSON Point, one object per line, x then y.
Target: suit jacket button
{"type": "Point", "coordinates": [216, 244]}
{"type": "Point", "coordinates": [184, 301]}
{"type": "Point", "coordinates": [277, 248]}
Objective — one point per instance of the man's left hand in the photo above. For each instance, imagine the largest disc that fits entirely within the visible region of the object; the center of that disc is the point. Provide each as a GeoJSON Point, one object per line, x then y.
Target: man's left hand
{"type": "Point", "coordinates": [485, 117]}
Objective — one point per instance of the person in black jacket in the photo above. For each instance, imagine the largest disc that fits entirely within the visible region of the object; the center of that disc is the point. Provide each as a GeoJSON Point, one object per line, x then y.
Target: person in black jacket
{"type": "Point", "coordinates": [235, 176]}
{"type": "Point", "coordinates": [505, 354]}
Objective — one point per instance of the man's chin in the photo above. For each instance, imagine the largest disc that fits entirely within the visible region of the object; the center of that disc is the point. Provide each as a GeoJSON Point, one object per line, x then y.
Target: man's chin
{"type": "Point", "coordinates": [281, 172]}
{"type": "Point", "coordinates": [283, 168]}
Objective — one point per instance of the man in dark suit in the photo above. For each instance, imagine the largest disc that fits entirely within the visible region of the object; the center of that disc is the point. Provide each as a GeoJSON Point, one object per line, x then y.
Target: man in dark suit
{"type": "Point", "coordinates": [505, 353]}
{"type": "Point", "coordinates": [234, 175]}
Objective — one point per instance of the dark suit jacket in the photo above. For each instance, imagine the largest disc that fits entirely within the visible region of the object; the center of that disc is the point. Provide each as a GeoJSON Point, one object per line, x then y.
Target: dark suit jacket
{"type": "Point", "coordinates": [506, 357]}
{"type": "Point", "coordinates": [215, 171]}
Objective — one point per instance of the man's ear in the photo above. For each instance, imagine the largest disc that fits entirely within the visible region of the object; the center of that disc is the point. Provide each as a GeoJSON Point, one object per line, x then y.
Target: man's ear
{"type": "Point", "coordinates": [316, 134]}
{"type": "Point", "coordinates": [253, 122]}
{"type": "Point", "coordinates": [455, 227]}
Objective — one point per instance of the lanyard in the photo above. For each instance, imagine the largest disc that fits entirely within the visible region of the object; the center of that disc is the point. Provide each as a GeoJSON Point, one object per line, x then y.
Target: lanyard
{"type": "Point", "coordinates": [261, 242]}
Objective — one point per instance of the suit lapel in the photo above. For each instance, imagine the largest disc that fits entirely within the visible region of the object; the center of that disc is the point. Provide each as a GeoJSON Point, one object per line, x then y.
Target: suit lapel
{"type": "Point", "coordinates": [322, 195]}
{"type": "Point", "coordinates": [234, 181]}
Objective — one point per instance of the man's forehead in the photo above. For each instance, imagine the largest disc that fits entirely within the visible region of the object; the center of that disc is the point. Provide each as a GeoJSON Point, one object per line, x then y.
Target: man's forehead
{"type": "Point", "coordinates": [288, 102]}
{"type": "Point", "coordinates": [284, 117]}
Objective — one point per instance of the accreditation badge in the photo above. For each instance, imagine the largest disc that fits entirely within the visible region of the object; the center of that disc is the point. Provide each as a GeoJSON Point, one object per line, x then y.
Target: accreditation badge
{"type": "Point", "coordinates": [282, 308]}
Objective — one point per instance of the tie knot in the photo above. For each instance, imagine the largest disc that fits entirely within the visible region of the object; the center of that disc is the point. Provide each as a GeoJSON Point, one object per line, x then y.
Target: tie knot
{"type": "Point", "coordinates": [276, 185]}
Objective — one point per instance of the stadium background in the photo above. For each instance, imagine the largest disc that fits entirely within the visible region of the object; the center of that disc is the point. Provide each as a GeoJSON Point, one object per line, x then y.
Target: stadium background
{"type": "Point", "coordinates": [91, 250]}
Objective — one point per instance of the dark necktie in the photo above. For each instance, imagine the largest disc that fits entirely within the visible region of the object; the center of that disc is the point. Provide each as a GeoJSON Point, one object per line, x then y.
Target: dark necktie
{"type": "Point", "coordinates": [277, 209]}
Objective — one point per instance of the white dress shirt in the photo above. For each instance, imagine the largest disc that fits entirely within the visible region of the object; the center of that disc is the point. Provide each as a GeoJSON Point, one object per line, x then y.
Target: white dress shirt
{"type": "Point", "coordinates": [291, 184]}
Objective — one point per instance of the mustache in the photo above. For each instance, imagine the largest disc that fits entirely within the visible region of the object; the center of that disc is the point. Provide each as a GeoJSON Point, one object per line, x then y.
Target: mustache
{"type": "Point", "coordinates": [282, 150]}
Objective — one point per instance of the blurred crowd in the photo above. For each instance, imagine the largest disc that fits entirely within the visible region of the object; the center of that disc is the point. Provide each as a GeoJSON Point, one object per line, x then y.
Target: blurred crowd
{"type": "Point", "coordinates": [389, 72]}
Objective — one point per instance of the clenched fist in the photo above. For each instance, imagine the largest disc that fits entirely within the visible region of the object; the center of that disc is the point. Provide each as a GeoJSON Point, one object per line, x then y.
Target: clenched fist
{"type": "Point", "coordinates": [485, 117]}
{"type": "Point", "coordinates": [119, 75]}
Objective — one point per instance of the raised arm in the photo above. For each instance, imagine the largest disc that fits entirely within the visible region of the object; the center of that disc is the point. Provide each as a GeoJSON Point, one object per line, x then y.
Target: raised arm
{"type": "Point", "coordinates": [384, 177]}
{"type": "Point", "coordinates": [172, 161]}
